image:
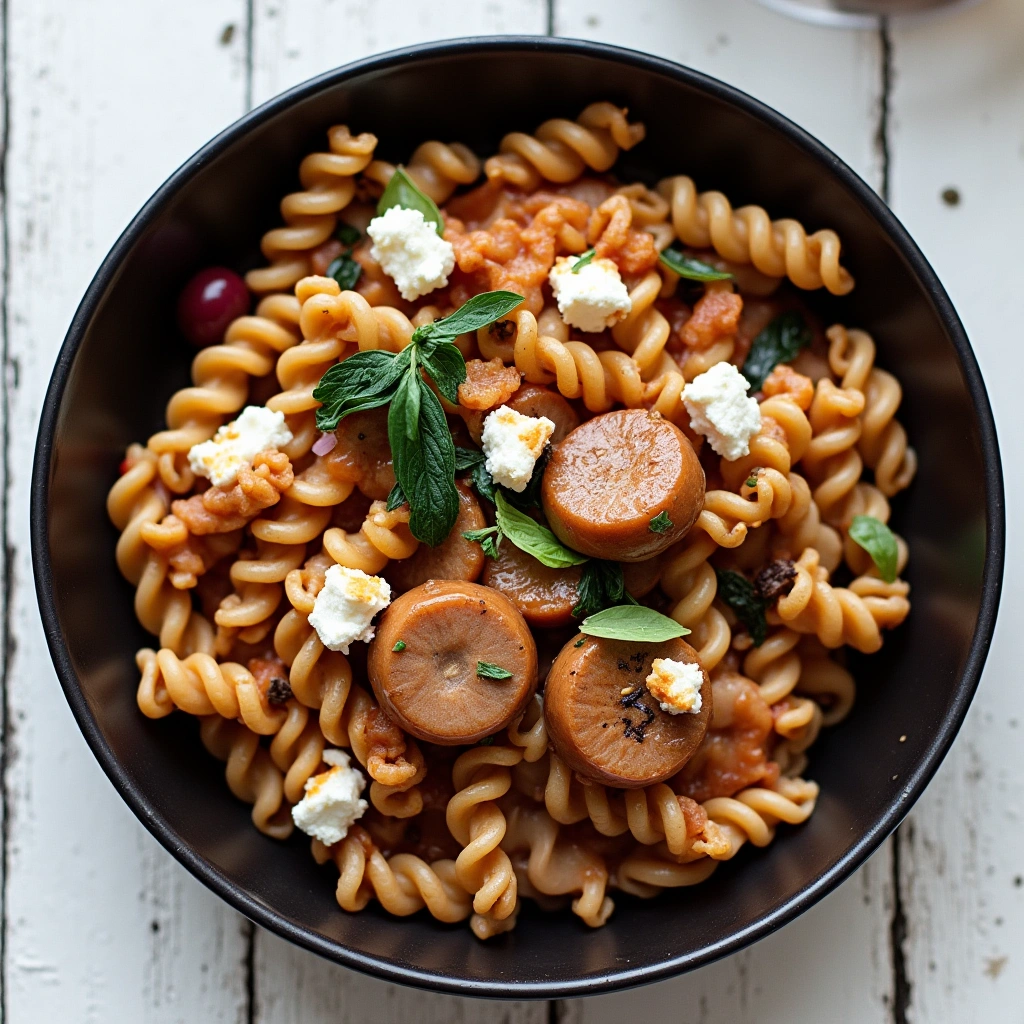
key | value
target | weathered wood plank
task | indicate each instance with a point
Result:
(837, 954)
(958, 124)
(105, 100)
(294, 40)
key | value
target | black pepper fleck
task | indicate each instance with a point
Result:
(951, 196)
(279, 691)
(502, 329)
(775, 579)
(362, 437)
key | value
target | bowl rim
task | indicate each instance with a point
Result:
(391, 971)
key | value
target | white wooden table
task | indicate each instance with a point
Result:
(102, 99)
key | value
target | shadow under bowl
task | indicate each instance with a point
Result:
(123, 358)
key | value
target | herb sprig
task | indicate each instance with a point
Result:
(739, 594)
(780, 342)
(421, 443)
(602, 585)
(487, 670)
(402, 191)
(879, 542)
(345, 270)
(585, 258)
(634, 622)
(690, 268)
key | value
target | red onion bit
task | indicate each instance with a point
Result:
(325, 443)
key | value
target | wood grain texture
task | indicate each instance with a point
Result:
(102, 926)
(958, 124)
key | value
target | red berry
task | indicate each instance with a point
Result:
(209, 302)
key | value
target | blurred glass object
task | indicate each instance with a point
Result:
(861, 13)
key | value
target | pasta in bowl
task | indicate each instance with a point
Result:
(520, 543)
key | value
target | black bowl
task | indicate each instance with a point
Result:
(122, 359)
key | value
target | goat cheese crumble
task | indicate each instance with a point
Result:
(676, 684)
(332, 803)
(410, 251)
(720, 409)
(592, 299)
(237, 443)
(344, 609)
(513, 443)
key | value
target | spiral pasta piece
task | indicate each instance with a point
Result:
(560, 150)
(437, 168)
(310, 216)
(403, 883)
(383, 536)
(482, 777)
(780, 248)
(251, 775)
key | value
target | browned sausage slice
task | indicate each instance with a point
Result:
(363, 454)
(612, 476)
(536, 400)
(603, 722)
(455, 558)
(430, 687)
(545, 597)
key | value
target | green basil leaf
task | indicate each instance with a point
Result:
(879, 542)
(467, 458)
(425, 468)
(739, 594)
(780, 342)
(346, 234)
(402, 191)
(345, 271)
(365, 380)
(489, 539)
(446, 367)
(584, 259)
(601, 586)
(396, 498)
(660, 523)
(690, 268)
(478, 312)
(533, 538)
(482, 482)
(405, 408)
(486, 670)
(633, 622)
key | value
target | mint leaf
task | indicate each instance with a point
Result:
(365, 380)
(531, 537)
(425, 468)
(601, 586)
(780, 342)
(633, 622)
(402, 191)
(690, 268)
(467, 458)
(483, 483)
(486, 670)
(346, 234)
(345, 271)
(396, 498)
(489, 539)
(478, 312)
(879, 542)
(446, 367)
(660, 523)
(584, 259)
(405, 410)
(739, 594)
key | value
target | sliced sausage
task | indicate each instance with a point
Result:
(363, 454)
(431, 686)
(455, 558)
(537, 400)
(615, 474)
(603, 722)
(545, 597)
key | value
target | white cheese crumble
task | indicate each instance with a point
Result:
(676, 684)
(592, 299)
(343, 611)
(513, 443)
(720, 409)
(411, 251)
(331, 804)
(237, 443)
